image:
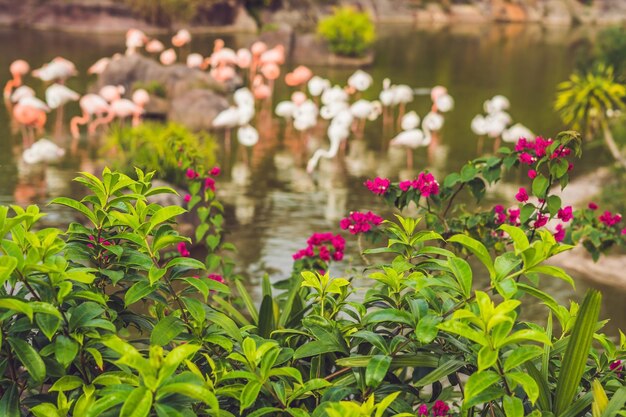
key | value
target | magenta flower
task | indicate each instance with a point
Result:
(378, 185)
(182, 249)
(216, 277)
(191, 174)
(514, 216)
(624, 231)
(330, 246)
(337, 256)
(324, 254)
(609, 219)
(209, 183)
(426, 184)
(187, 198)
(358, 222)
(541, 220)
(440, 408)
(617, 367)
(559, 234)
(532, 174)
(565, 214)
(526, 158)
(405, 185)
(422, 410)
(522, 195)
(500, 214)
(215, 171)
(592, 206)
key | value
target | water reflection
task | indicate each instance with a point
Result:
(272, 203)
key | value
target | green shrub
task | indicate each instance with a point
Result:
(153, 87)
(155, 147)
(348, 31)
(109, 320)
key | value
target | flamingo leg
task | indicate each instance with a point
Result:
(496, 144)
(479, 148)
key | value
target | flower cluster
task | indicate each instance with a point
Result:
(522, 195)
(378, 185)
(511, 215)
(439, 409)
(358, 222)
(532, 149)
(102, 241)
(323, 246)
(216, 277)
(609, 219)
(425, 183)
(209, 182)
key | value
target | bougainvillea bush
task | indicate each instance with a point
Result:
(115, 317)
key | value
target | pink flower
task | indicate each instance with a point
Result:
(422, 410)
(609, 219)
(514, 216)
(617, 367)
(593, 206)
(378, 185)
(337, 256)
(330, 246)
(526, 158)
(187, 198)
(440, 408)
(215, 171)
(426, 184)
(324, 254)
(216, 277)
(191, 174)
(559, 235)
(624, 231)
(358, 222)
(522, 195)
(565, 214)
(532, 174)
(542, 220)
(405, 185)
(182, 249)
(209, 183)
(499, 208)
(570, 167)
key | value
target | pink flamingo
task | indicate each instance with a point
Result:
(260, 90)
(30, 117)
(168, 57)
(180, 39)
(298, 77)
(59, 70)
(18, 69)
(257, 49)
(135, 39)
(155, 46)
(57, 96)
(141, 98)
(91, 105)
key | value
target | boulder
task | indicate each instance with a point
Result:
(196, 109)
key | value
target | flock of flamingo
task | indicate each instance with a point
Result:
(341, 109)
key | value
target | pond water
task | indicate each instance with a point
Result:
(271, 215)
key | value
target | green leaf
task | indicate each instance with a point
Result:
(513, 407)
(616, 403)
(47, 324)
(195, 392)
(388, 315)
(164, 214)
(520, 241)
(17, 305)
(65, 350)
(521, 355)
(478, 249)
(478, 382)
(10, 402)
(226, 323)
(44, 410)
(138, 403)
(29, 357)
(553, 271)
(155, 273)
(66, 383)
(376, 370)
(463, 274)
(78, 206)
(249, 394)
(528, 384)
(448, 368)
(83, 313)
(138, 291)
(540, 186)
(577, 351)
(107, 402)
(426, 330)
(266, 317)
(166, 330)
(7, 266)
(487, 357)
(195, 308)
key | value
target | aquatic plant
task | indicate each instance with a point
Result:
(347, 31)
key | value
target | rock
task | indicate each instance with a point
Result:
(467, 13)
(280, 33)
(196, 109)
(503, 11)
(244, 22)
(557, 13)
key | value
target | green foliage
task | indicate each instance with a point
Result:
(114, 318)
(165, 12)
(583, 100)
(611, 49)
(159, 147)
(155, 88)
(348, 31)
